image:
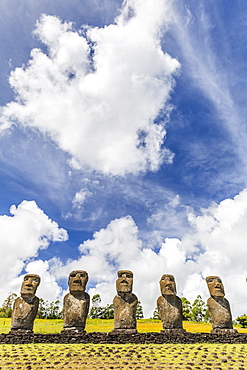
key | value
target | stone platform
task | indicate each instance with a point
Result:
(139, 338)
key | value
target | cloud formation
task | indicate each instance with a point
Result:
(22, 235)
(215, 245)
(97, 92)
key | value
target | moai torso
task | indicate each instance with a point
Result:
(170, 312)
(75, 311)
(24, 313)
(220, 313)
(125, 312)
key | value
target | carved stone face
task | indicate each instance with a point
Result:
(78, 281)
(168, 285)
(215, 286)
(124, 282)
(30, 284)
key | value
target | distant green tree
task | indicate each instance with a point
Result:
(242, 320)
(96, 300)
(199, 310)
(96, 310)
(107, 312)
(139, 311)
(54, 310)
(99, 312)
(49, 310)
(42, 310)
(7, 306)
(155, 314)
(186, 309)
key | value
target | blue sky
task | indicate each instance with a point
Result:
(123, 145)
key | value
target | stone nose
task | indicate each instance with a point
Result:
(29, 282)
(167, 281)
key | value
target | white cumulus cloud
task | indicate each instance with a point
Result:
(97, 92)
(22, 235)
(215, 245)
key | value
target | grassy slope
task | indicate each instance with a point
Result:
(125, 356)
(128, 356)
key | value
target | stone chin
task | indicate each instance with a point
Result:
(27, 293)
(217, 293)
(124, 289)
(74, 288)
(167, 292)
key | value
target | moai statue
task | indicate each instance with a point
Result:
(26, 306)
(76, 303)
(169, 305)
(219, 307)
(125, 303)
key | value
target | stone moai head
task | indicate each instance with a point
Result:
(215, 286)
(77, 281)
(30, 285)
(124, 281)
(168, 285)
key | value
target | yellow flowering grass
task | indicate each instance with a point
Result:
(125, 356)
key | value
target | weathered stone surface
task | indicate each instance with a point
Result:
(26, 307)
(76, 303)
(125, 303)
(219, 307)
(169, 305)
(100, 338)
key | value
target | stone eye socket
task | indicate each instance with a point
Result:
(34, 279)
(79, 274)
(168, 277)
(27, 278)
(214, 279)
(127, 275)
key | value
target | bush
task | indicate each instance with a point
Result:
(242, 320)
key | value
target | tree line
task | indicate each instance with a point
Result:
(196, 311)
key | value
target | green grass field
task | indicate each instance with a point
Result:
(143, 326)
(124, 356)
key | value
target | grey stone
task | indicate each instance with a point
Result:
(219, 307)
(169, 305)
(76, 303)
(125, 303)
(26, 306)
